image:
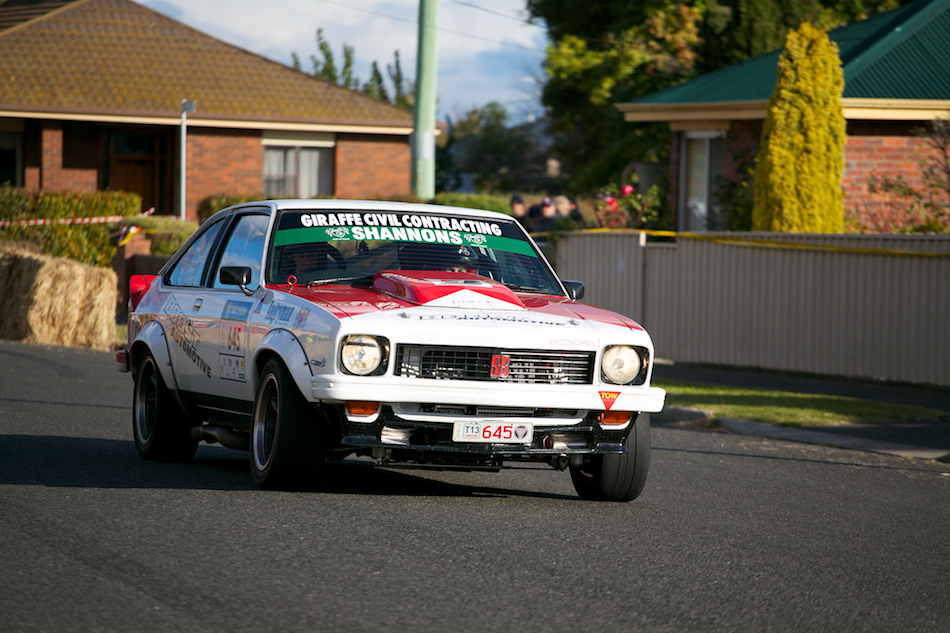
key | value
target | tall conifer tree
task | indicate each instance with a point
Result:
(800, 161)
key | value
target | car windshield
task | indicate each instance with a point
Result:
(316, 247)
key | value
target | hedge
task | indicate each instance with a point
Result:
(87, 243)
(215, 202)
(166, 232)
(472, 201)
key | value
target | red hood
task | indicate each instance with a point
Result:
(444, 289)
(392, 290)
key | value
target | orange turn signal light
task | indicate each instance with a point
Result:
(615, 417)
(359, 407)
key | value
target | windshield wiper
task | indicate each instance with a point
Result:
(528, 289)
(320, 282)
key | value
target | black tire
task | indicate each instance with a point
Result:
(617, 477)
(288, 436)
(162, 431)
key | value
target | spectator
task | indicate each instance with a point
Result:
(548, 216)
(519, 212)
(575, 213)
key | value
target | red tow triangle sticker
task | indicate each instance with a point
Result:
(609, 398)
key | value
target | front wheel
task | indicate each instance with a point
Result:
(161, 429)
(617, 477)
(288, 436)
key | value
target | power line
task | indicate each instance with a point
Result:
(444, 30)
(498, 13)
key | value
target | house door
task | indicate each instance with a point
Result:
(137, 162)
(136, 175)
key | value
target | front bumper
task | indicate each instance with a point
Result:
(338, 388)
(393, 438)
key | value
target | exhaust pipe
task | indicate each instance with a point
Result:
(221, 435)
(560, 462)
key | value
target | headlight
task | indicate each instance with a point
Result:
(361, 354)
(621, 364)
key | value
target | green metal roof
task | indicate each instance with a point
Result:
(901, 54)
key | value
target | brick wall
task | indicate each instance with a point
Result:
(222, 161)
(61, 157)
(372, 166)
(880, 149)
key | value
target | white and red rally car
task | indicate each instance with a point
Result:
(419, 335)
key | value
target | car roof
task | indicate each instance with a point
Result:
(370, 205)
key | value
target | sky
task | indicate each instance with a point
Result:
(486, 50)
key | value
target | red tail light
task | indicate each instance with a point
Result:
(138, 284)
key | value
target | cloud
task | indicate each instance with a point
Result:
(481, 55)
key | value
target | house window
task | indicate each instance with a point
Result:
(701, 169)
(298, 165)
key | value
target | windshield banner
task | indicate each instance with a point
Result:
(306, 227)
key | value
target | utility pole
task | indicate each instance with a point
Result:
(423, 136)
(186, 107)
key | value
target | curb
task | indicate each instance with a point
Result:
(831, 439)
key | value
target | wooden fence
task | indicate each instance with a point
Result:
(870, 307)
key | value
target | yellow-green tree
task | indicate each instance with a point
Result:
(801, 155)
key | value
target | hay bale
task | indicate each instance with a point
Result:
(56, 301)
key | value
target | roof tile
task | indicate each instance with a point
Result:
(114, 56)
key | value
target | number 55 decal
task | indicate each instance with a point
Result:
(499, 365)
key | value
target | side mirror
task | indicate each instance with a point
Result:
(238, 276)
(575, 289)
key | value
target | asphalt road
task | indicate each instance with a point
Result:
(733, 533)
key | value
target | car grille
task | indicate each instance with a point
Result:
(475, 364)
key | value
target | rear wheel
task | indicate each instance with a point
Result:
(162, 430)
(617, 477)
(288, 437)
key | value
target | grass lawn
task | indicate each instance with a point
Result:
(784, 408)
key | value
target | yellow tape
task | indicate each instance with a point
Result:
(738, 241)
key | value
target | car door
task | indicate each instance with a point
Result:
(185, 284)
(224, 313)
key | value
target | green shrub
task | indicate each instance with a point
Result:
(473, 201)
(87, 243)
(801, 156)
(215, 202)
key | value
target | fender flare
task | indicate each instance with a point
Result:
(283, 344)
(153, 338)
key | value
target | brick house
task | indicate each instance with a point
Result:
(897, 78)
(90, 99)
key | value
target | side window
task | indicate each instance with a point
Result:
(245, 247)
(188, 270)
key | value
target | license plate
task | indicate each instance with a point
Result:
(493, 432)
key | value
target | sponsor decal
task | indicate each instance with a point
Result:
(609, 398)
(469, 299)
(302, 315)
(318, 361)
(571, 342)
(306, 228)
(394, 220)
(231, 368)
(184, 334)
(237, 310)
(476, 240)
(279, 312)
(476, 316)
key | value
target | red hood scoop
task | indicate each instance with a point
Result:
(447, 290)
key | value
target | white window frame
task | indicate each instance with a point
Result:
(297, 142)
(683, 212)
